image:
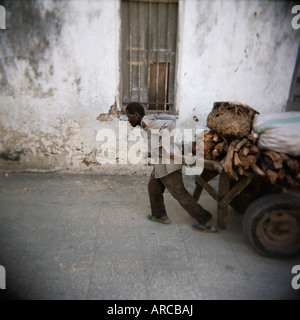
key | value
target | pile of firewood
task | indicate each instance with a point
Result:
(281, 168)
(237, 155)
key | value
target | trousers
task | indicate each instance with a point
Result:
(174, 184)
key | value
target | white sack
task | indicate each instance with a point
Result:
(279, 132)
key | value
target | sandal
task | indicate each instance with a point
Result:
(154, 219)
(201, 228)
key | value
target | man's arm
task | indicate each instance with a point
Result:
(181, 158)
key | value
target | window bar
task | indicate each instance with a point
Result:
(149, 52)
(139, 49)
(166, 107)
(157, 58)
(130, 51)
(166, 86)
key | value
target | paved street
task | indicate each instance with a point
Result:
(66, 236)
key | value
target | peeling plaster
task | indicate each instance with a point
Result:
(235, 51)
(57, 72)
(60, 73)
(110, 115)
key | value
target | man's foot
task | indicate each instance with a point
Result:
(201, 228)
(164, 219)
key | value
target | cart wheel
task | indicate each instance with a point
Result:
(272, 225)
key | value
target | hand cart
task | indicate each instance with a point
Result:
(271, 220)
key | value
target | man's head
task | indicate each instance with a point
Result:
(135, 112)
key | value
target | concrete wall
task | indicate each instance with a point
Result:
(60, 62)
(59, 70)
(235, 50)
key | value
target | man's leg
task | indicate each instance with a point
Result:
(155, 191)
(174, 183)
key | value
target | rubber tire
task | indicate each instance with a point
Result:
(259, 211)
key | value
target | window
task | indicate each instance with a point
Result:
(294, 98)
(149, 34)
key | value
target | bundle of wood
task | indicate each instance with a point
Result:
(237, 155)
(281, 168)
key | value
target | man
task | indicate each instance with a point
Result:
(166, 175)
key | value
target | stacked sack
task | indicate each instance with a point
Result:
(279, 138)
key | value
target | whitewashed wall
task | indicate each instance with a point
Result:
(60, 63)
(59, 70)
(234, 50)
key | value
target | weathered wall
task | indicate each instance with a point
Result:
(235, 50)
(59, 69)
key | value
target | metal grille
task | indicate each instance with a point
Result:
(149, 34)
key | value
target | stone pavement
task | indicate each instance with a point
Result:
(65, 236)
